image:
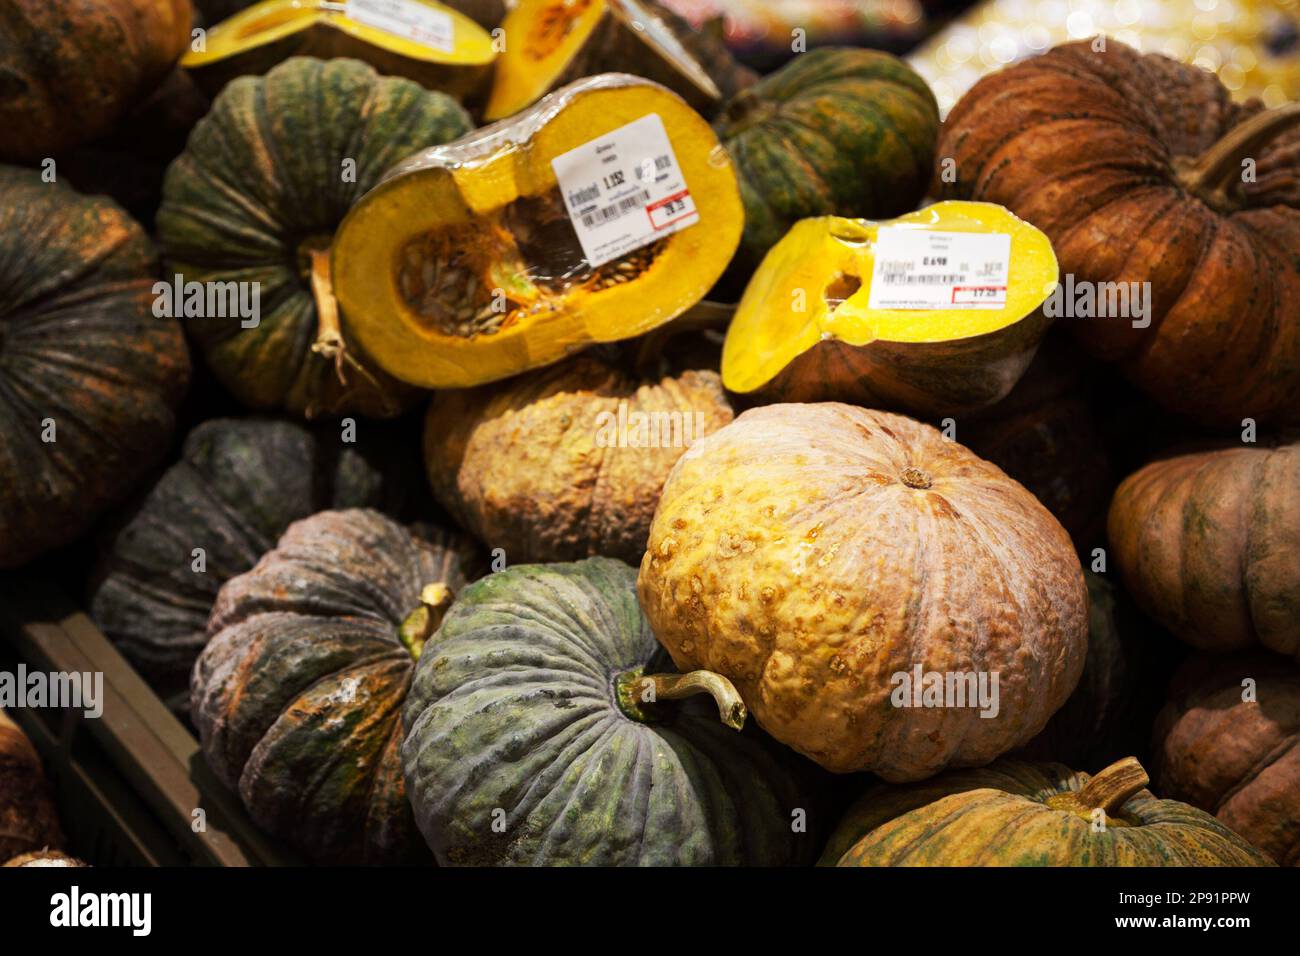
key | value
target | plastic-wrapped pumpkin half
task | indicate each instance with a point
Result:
(435, 45)
(605, 210)
(935, 312)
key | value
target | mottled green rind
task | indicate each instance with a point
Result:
(82, 352)
(512, 718)
(842, 132)
(297, 697)
(996, 816)
(264, 171)
(237, 487)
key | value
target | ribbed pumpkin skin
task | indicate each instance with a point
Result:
(1237, 760)
(995, 816)
(842, 132)
(28, 819)
(521, 464)
(1207, 544)
(79, 344)
(263, 174)
(513, 707)
(1224, 285)
(791, 555)
(298, 695)
(71, 68)
(1108, 714)
(238, 486)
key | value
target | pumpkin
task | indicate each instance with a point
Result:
(486, 13)
(1044, 435)
(1233, 754)
(89, 377)
(554, 42)
(298, 695)
(822, 319)
(421, 40)
(841, 132)
(463, 267)
(839, 564)
(568, 461)
(44, 858)
(1206, 544)
(70, 69)
(256, 198)
(1025, 814)
(237, 487)
(540, 732)
(28, 819)
(1111, 710)
(1166, 206)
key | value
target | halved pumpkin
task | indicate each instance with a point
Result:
(809, 329)
(552, 42)
(463, 265)
(421, 40)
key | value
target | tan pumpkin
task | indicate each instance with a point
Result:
(816, 555)
(1207, 543)
(566, 462)
(1133, 166)
(1236, 754)
(69, 69)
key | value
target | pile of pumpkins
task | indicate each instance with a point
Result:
(433, 585)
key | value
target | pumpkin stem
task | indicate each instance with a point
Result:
(1207, 176)
(420, 624)
(636, 688)
(1111, 788)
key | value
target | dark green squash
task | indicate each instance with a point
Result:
(83, 361)
(842, 132)
(256, 196)
(528, 744)
(237, 487)
(1022, 814)
(298, 695)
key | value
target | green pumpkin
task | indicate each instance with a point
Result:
(841, 132)
(298, 695)
(237, 487)
(530, 700)
(1012, 813)
(89, 377)
(265, 180)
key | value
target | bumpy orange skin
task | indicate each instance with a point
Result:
(523, 466)
(791, 554)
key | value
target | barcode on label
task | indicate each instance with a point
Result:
(625, 205)
(660, 164)
(580, 197)
(894, 278)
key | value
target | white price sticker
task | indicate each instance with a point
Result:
(406, 18)
(924, 269)
(624, 190)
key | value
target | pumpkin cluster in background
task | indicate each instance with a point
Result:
(524, 455)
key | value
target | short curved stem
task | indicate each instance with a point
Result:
(731, 709)
(420, 624)
(1112, 787)
(1205, 177)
